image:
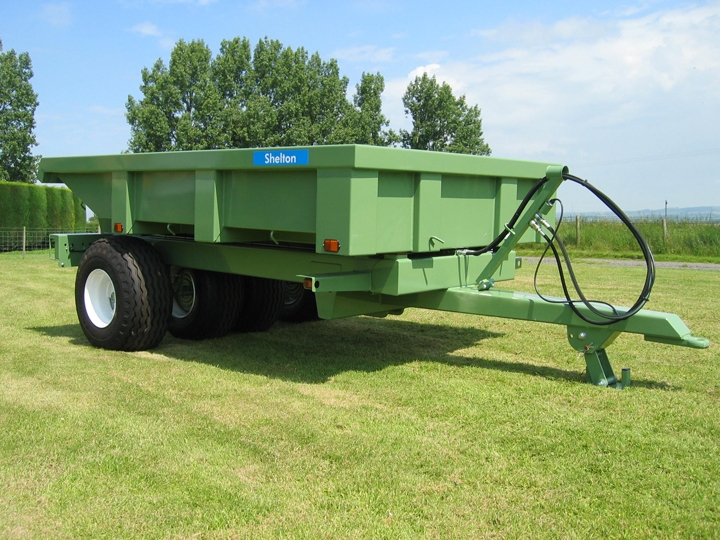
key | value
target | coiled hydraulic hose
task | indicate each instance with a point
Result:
(604, 317)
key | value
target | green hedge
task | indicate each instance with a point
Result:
(37, 206)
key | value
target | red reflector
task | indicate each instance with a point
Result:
(333, 246)
(118, 227)
(307, 283)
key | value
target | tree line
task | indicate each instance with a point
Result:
(18, 102)
(246, 97)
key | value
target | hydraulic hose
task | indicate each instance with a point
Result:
(604, 318)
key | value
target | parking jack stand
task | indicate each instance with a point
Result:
(599, 370)
(591, 343)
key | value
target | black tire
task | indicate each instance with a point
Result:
(264, 298)
(206, 305)
(122, 294)
(299, 304)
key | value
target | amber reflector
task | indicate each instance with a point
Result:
(333, 246)
(307, 283)
(118, 227)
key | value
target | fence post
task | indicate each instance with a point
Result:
(24, 238)
(577, 231)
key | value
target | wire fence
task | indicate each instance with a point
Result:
(26, 239)
(640, 217)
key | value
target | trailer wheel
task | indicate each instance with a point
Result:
(205, 305)
(264, 298)
(122, 294)
(299, 304)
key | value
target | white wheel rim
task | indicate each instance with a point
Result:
(100, 301)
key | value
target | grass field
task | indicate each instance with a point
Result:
(697, 241)
(428, 425)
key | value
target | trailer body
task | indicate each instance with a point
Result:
(366, 230)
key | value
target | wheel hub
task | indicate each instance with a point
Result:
(183, 293)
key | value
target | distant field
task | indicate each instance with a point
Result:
(695, 240)
(428, 425)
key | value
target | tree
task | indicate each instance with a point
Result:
(178, 111)
(441, 122)
(18, 102)
(365, 123)
(270, 96)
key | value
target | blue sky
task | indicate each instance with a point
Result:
(627, 94)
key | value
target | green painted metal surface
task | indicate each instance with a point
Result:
(393, 275)
(589, 340)
(654, 325)
(372, 200)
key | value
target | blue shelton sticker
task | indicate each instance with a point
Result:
(263, 158)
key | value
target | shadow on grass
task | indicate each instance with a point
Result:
(71, 331)
(315, 352)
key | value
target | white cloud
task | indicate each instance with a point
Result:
(366, 53)
(147, 29)
(625, 72)
(57, 14)
(430, 69)
(595, 90)
(623, 68)
(151, 30)
(456, 81)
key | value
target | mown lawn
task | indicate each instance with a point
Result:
(428, 425)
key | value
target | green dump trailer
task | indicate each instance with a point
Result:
(201, 243)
